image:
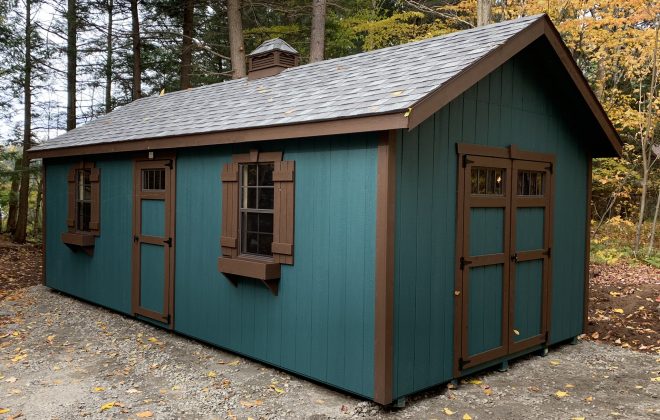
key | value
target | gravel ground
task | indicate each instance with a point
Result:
(63, 358)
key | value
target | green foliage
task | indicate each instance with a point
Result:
(612, 243)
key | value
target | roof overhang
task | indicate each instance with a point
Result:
(380, 122)
(402, 119)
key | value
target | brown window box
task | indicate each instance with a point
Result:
(267, 272)
(80, 241)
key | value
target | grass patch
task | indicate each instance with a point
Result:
(614, 241)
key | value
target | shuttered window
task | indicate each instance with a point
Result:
(257, 215)
(83, 206)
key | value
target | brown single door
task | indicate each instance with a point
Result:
(530, 251)
(485, 259)
(153, 239)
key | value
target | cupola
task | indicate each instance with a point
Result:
(270, 58)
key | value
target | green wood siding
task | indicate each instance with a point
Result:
(105, 277)
(321, 325)
(528, 102)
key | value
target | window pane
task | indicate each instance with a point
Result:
(251, 174)
(266, 198)
(530, 183)
(265, 244)
(251, 202)
(251, 243)
(266, 223)
(266, 174)
(153, 179)
(252, 222)
(84, 212)
(487, 181)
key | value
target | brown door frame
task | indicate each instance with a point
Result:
(465, 153)
(169, 162)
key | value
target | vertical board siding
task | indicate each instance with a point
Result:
(485, 308)
(528, 299)
(529, 102)
(105, 277)
(321, 324)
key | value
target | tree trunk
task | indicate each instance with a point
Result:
(137, 52)
(236, 46)
(317, 38)
(655, 220)
(186, 47)
(646, 139)
(108, 60)
(36, 225)
(483, 12)
(21, 221)
(71, 57)
(13, 198)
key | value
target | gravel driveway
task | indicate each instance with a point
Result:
(63, 358)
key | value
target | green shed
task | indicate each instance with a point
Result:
(381, 223)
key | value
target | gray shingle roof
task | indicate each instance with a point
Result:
(376, 82)
(273, 44)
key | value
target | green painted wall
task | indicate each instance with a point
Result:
(105, 277)
(528, 102)
(321, 325)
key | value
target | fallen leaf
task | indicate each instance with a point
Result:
(408, 112)
(234, 363)
(154, 340)
(474, 382)
(11, 380)
(577, 418)
(516, 332)
(145, 414)
(211, 374)
(569, 386)
(589, 399)
(50, 339)
(617, 310)
(488, 391)
(448, 411)
(133, 391)
(19, 357)
(4, 410)
(176, 388)
(555, 362)
(250, 404)
(276, 389)
(397, 93)
(615, 294)
(561, 394)
(108, 406)
(98, 389)
(595, 335)
(451, 386)
(656, 379)
(466, 416)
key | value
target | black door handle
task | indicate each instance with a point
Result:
(514, 257)
(136, 238)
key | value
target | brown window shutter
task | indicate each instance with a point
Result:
(229, 236)
(95, 216)
(71, 199)
(283, 177)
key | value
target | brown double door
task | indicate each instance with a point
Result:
(505, 251)
(153, 239)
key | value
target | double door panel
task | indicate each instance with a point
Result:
(505, 262)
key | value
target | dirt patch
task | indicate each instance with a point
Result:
(20, 266)
(624, 306)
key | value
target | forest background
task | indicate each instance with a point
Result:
(64, 63)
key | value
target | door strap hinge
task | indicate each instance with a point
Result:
(168, 241)
(170, 164)
(464, 262)
(462, 363)
(136, 238)
(548, 252)
(466, 161)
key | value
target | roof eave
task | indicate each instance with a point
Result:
(457, 85)
(369, 123)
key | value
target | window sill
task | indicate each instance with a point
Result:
(266, 271)
(79, 241)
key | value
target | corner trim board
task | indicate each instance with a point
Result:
(385, 229)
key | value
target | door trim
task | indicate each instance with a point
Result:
(512, 152)
(170, 213)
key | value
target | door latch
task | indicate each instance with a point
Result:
(135, 238)
(464, 262)
(514, 257)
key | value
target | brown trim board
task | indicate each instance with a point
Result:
(451, 89)
(43, 222)
(587, 249)
(385, 225)
(313, 129)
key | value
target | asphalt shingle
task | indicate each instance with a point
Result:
(376, 82)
